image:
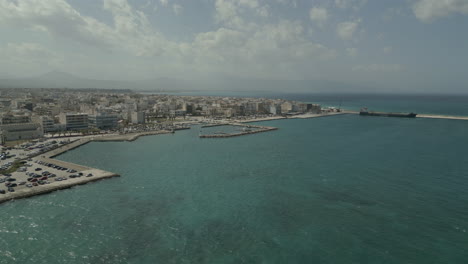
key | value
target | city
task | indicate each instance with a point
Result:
(33, 113)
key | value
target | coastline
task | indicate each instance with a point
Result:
(48, 157)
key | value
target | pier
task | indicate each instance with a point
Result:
(449, 117)
(259, 129)
(48, 158)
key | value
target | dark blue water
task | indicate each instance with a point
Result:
(342, 189)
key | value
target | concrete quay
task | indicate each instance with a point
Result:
(449, 117)
(57, 185)
(38, 165)
(260, 130)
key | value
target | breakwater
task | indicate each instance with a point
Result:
(247, 131)
(450, 117)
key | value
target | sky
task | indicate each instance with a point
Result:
(405, 45)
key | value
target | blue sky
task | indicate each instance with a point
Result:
(400, 45)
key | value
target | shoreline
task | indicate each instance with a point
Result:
(98, 174)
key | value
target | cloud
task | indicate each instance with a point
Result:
(319, 15)
(239, 46)
(28, 56)
(353, 4)
(346, 30)
(272, 48)
(387, 49)
(164, 2)
(429, 10)
(57, 18)
(131, 30)
(177, 9)
(232, 12)
(293, 3)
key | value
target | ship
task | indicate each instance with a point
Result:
(365, 112)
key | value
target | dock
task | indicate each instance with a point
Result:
(449, 117)
(48, 157)
(259, 129)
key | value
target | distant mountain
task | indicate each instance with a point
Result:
(57, 79)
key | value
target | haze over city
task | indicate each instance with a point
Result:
(334, 46)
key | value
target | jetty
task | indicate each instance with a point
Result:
(246, 131)
(448, 117)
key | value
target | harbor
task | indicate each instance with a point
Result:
(42, 173)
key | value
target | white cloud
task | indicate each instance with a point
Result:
(177, 9)
(28, 56)
(319, 15)
(353, 4)
(251, 49)
(164, 2)
(263, 11)
(230, 12)
(428, 10)
(272, 48)
(293, 3)
(346, 30)
(384, 68)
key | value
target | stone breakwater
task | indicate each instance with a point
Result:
(449, 117)
(259, 129)
(88, 174)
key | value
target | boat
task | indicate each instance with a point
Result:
(365, 112)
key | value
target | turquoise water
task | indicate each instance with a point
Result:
(342, 189)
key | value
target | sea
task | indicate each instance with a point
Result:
(337, 189)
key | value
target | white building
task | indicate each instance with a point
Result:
(75, 122)
(103, 121)
(273, 110)
(14, 119)
(286, 107)
(11, 132)
(47, 123)
(138, 117)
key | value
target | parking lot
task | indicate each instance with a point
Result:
(27, 169)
